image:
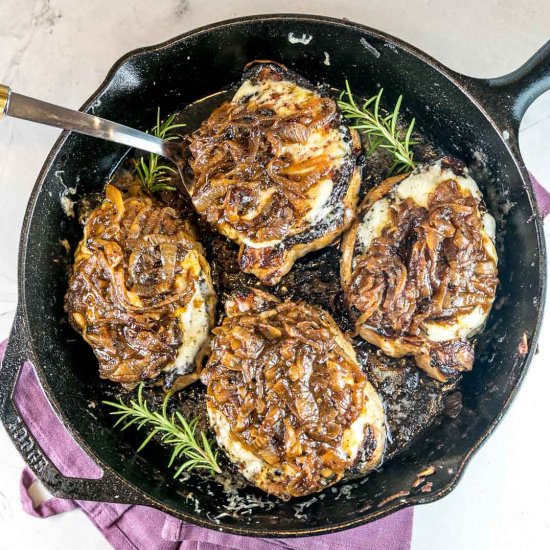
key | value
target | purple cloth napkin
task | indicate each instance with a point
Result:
(129, 527)
(543, 197)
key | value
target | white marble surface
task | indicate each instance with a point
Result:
(60, 50)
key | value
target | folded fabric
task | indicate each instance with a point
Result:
(543, 197)
(140, 527)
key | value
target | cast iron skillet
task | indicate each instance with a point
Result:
(476, 120)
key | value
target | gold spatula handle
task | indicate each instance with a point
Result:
(5, 93)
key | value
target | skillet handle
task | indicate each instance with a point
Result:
(508, 97)
(109, 488)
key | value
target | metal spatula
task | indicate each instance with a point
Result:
(27, 108)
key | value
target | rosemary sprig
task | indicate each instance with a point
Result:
(175, 431)
(379, 129)
(153, 172)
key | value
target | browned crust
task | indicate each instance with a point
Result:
(381, 190)
(399, 347)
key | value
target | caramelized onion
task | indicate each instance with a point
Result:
(291, 392)
(127, 283)
(428, 265)
(242, 177)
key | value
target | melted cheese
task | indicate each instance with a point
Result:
(259, 472)
(286, 98)
(376, 219)
(283, 96)
(418, 187)
(260, 244)
(372, 414)
(251, 466)
(319, 197)
(489, 236)
(328, 142)
(421, 183)
(490, 225)
(194, 319)
(465, 326)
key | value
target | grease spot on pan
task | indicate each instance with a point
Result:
(369, 47)
(305, 39)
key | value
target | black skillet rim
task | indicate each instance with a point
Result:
(453, 77)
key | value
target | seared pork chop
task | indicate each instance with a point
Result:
(419, 267)
(274, 169)
(287, 399)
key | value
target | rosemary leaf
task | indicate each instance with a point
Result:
(153, 172)
(174, 429)
(379, 129)
(147, 439)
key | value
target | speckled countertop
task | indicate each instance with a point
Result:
(60, 50)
